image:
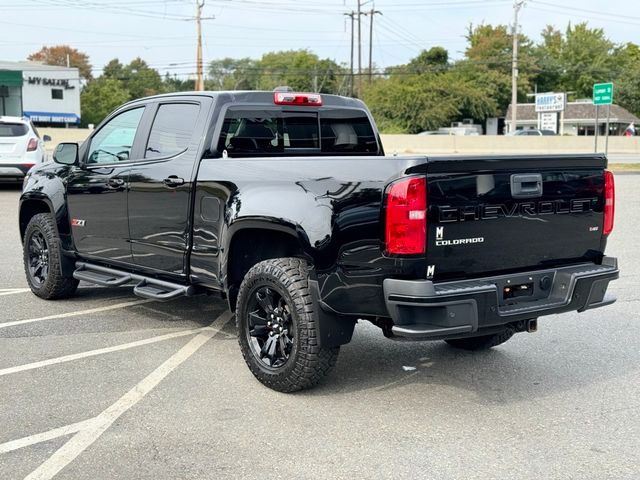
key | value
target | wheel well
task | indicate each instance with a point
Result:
(251, 246)
(28, 210)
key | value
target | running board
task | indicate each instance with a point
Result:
(147, 287)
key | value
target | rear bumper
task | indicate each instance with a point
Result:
(423, 310)
(13, 172)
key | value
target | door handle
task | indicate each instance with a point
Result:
(115, 182)
(173, 181)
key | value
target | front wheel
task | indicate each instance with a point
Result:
(42, 255)
(276, 323)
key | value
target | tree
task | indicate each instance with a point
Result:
(141, 80)
(114, 69)
(299, 69)
(573, 62)
(100, 97)
(57, 55)
(233, 74)
(428, 94)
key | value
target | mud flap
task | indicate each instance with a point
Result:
(332, 330)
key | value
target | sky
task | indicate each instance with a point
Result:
(162, 32)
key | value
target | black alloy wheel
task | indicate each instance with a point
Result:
(38, 258)
(43, 258)
(270, 331)
(276, 320)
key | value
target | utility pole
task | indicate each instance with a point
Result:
(517, 5)
(359, 49)
(199, 73)
(371, 14)
(352, 15)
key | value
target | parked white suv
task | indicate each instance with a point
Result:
(20, 148)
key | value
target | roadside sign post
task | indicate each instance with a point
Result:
(547, 107)
(595, 150)
(603, 95)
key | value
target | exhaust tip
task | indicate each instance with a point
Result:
(532, 325)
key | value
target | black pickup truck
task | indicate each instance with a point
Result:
(286, 204)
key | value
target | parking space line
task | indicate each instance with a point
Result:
(99, 351)
(87, 436)
(13, 291)
(75, 314)
(45, 436)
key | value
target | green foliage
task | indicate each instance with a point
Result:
(573, 62)
(141, 80)
(233, 74)
(428, 92)
(299, 69)
(430, 95)
(100, 97)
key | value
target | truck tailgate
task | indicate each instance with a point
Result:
(497, 214)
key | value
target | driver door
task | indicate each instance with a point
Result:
(97, 189)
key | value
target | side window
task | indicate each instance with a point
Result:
(114, 141)
(172, 129)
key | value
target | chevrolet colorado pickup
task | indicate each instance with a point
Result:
(285, 204)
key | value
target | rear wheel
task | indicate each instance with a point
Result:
(42, 254)
(483, 342)
(276, 324)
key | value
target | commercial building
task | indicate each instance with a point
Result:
(579, 119)
(48, 95)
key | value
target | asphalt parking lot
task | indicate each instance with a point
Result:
(108, 385)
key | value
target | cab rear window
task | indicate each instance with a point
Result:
(13, 129)
(255, 132)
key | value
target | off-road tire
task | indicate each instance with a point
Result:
(484, 342)
(56, 285)
(308, 363)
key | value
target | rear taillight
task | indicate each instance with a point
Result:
(609, 202)
(287, 98)
(406, 217)
(33, 145)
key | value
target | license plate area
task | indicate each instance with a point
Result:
(524, 288)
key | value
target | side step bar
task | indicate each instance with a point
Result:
(147, 287)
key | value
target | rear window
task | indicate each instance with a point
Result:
(13, 129)
(250, 132)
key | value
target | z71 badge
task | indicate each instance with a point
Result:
(76, 222)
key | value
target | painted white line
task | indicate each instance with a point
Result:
(75, 314)
(45, 436)
(99, 351)
(13, 291)
(85, 437)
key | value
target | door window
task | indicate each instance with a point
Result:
(172, 129)
(114, 142)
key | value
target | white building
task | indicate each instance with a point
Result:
(48, 95)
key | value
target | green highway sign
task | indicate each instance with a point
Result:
(603, 94)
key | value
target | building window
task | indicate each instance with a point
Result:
(56, 93)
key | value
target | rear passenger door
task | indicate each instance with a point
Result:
(160, 185)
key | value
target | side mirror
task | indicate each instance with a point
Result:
(46, 138)
(66, 154)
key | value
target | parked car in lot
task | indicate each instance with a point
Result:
(20, 148)
(285, 204)
(534, 132)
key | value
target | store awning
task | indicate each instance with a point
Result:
(10, 78)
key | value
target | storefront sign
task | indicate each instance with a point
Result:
(51, 82)
(53, 117)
